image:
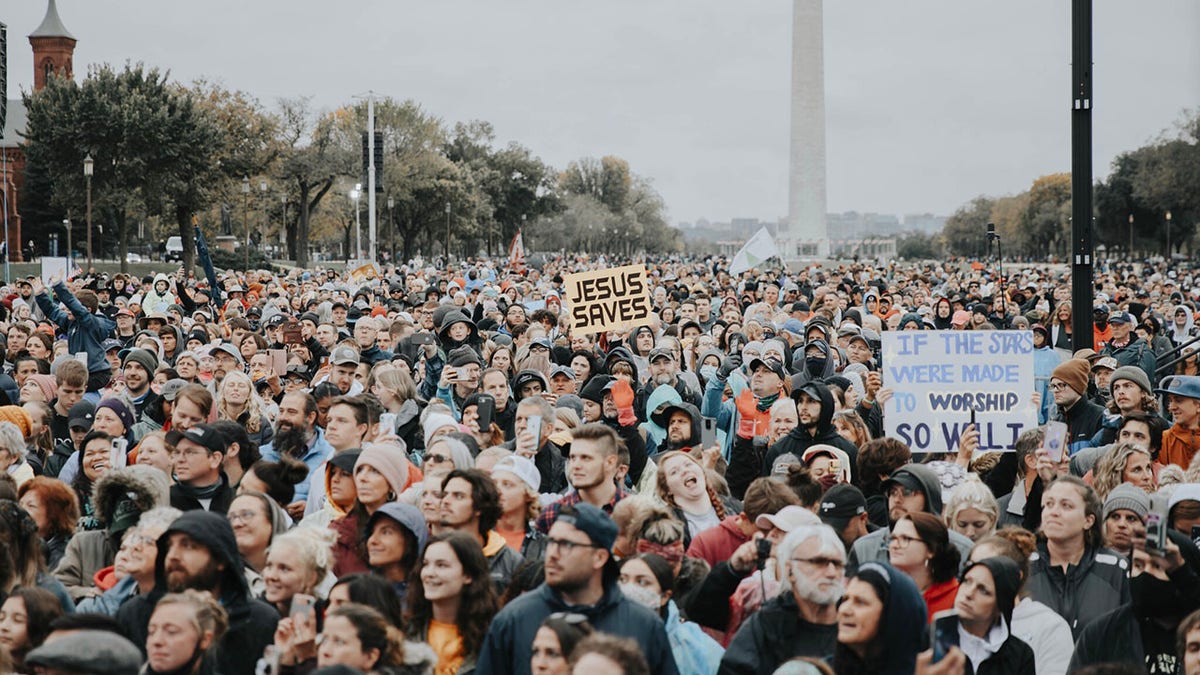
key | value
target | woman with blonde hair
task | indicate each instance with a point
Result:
(1124, 463)
(298, 562)
(182, 632)
(238, 402)
(972, 510)
(397, 391)
(851, 427)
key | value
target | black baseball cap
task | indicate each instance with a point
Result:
(772, 364)
(200, 434)
(840, 504)
(593, 522)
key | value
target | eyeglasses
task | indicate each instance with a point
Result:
(190, 454)
(236, 517)
(566, 545)
(903, 540)
(822, 563)
(1057, 386)
(900, 491)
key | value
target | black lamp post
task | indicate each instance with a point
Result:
(89, 166)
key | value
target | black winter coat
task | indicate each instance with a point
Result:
(774, 635)
(1013, 658)
(1096, 586)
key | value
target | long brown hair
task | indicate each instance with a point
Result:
(477, 604)
(665, 494)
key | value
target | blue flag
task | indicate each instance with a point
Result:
(206, 263)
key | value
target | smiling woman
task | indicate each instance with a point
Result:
(453, 600)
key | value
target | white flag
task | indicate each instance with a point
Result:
(756, 251)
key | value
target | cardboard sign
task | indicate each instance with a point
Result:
(59, 268)
(609, 299)
(939, 377)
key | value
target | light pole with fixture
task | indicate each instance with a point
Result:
(391, 230)
(1168, 236)
(283, 227)
(89, 166)
(447, 232)
(1131, 236)
(246, 216)
(67, 227)
(262, 233)
(356, 194)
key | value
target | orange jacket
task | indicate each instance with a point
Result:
(1179, 445)
(751, 422)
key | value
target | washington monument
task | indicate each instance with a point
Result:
(806, 234)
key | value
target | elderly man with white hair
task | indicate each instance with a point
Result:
(802, 620)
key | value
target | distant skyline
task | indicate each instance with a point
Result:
(928, 103)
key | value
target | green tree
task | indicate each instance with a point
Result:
(965, 231)
(311, 160)
(919, 246)
(1047, 220)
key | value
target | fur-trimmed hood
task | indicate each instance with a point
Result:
(149, 486)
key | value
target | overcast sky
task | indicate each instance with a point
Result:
(929, 103)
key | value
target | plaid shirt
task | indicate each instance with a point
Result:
(550, 513)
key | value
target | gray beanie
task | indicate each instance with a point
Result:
(1133, 374)
(1129, 497)
(144, 358)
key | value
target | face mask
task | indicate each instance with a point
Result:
(642, 595)
(1153, 597)
(815, 365)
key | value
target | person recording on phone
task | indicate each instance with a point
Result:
(459, 379)
(1165, 588)
(1069, 386)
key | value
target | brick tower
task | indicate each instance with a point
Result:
(53, 49)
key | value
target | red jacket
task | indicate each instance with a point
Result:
(718, 543)
(940, 597)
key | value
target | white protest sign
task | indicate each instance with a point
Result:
(54, 267)
(939, 377)
(609, 299)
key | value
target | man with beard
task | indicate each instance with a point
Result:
(814, 407)
(802, 620)
(471, 505)
(664, 371)
(226, 359)
(682, 422)
(138, 368)
(199, 552)
(600, 404)
(581, 578)
(298, 436)
(1165, 589)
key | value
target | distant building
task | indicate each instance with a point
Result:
(53, 56)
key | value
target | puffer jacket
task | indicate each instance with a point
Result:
(1097, 585)
(251, 622)
(86, 332)
(89, 552)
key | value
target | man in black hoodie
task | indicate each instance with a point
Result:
(814, 405)
(199, 552)
(682, 422)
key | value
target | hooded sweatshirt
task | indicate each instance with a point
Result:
(251, 622)
(901, 629)
(798, 440)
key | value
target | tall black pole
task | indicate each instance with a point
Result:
(1081, 174)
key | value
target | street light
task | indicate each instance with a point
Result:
(67, 225)
(391, 229)
(447, 232)
(356, 194)
(89, 166)
(283, 227)
(1131, 236)
(1168, 236)
(246, 216)
(262, 234)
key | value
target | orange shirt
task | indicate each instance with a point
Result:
(1179, 445)
(514, 539)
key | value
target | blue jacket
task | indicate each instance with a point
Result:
(724, 411)
(508, 646)
(85, 332)
(110, 601)
(695, 652)
(1045, 360)
(317, 453)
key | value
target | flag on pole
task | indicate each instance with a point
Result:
(755, 252)
(516, 253)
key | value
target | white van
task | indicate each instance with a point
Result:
(174, 250)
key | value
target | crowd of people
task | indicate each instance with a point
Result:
(427, 469)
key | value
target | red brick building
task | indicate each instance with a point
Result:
(53, 55)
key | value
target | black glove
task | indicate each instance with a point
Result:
(730, 364)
